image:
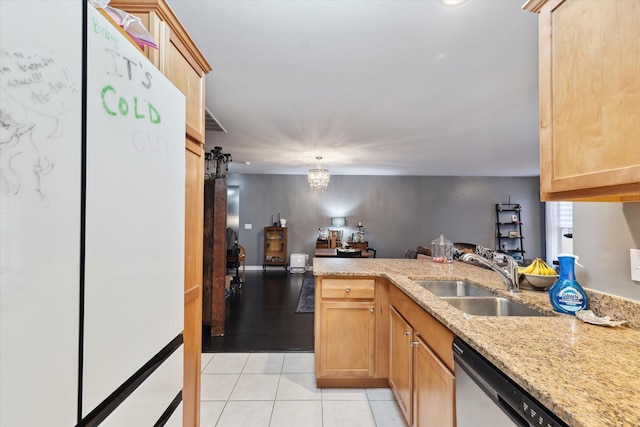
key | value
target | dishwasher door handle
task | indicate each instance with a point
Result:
(512, 413)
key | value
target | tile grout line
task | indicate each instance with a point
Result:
(373, 416)
(280, 374)
(275, 396)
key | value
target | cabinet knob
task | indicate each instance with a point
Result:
(371, 309)
(347, 289)
(414, 343)
(406, 333)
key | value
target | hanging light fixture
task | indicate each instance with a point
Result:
(318, 178)
(216, 163)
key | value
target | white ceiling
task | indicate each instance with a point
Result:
(375, 87)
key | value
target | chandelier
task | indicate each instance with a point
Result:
(216, 163)
(318, 178)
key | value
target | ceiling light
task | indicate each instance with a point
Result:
(453, 2)
(318, 178)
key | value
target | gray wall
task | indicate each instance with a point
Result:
(603, 233)
(398, 212)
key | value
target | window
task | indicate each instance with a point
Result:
(559, 230)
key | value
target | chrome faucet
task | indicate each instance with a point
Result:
(509, 275)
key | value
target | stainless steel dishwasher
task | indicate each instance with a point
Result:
(485, 397)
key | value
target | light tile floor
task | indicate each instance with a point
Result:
(279, 390)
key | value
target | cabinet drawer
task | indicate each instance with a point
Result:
(348, 288)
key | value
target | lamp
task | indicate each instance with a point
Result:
(338, 221)
(335, 236)
(318, 178)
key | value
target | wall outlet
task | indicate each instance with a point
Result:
(248, 226)
(635, 264)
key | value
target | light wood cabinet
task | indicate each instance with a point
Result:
(434, 389)
(179, 59)
(353, 324)
(401, 363)
(420, 364)
(350, 329)
(589, 99)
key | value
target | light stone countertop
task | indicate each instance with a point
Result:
(588, 375)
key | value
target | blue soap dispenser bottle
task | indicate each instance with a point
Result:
(566, 294)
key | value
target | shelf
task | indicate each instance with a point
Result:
(508, 207)
(508, 221)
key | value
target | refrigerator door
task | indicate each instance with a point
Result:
(135, 192)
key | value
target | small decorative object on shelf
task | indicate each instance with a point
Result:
(509, 239)
(359, 236)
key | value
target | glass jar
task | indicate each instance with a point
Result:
(442, 250)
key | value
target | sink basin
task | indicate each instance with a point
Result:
(453, 288)
(491, 306)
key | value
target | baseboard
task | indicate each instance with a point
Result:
(259, 267)
(352, 382)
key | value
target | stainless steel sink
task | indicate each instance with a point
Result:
(453, 288)
(491, 306)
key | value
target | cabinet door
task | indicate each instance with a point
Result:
(589, 99)
(177, 57)
(347, 341)
(193, 246)
(434, 387)
(401, 362)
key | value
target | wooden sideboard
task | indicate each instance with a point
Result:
(359, 245)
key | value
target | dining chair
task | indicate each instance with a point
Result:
(351, 253)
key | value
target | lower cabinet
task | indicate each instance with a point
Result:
(434, 389)
(353, 324)
(369, 334)
(350, 330)
(420, 364)
(400, 362)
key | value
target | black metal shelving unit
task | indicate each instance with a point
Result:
(509, 238)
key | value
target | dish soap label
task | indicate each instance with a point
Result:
(566, 294)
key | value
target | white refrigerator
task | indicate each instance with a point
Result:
(92, 179)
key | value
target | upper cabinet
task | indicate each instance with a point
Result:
(177, 57)
(589, 99)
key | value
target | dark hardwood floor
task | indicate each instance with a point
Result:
(262, 317)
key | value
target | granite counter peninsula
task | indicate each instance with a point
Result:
(587, 375)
